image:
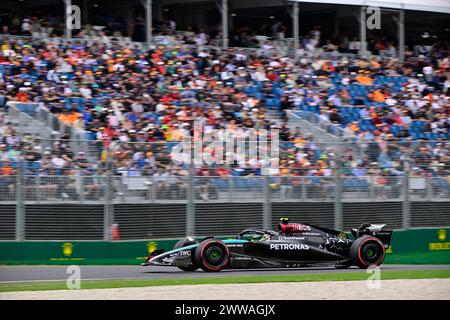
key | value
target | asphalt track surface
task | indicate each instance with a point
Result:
(46, 273)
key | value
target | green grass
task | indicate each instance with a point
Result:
(102, 284)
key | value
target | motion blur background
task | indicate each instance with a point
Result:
(89, 117)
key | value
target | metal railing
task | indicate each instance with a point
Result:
(175, 189)
(36, 195)
(39, 121)
(279, 46)
(324, 125)
(136, 185)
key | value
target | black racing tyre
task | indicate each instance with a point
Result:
(186, 242)
(367, 251)
(212, 255)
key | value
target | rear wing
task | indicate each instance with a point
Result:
(376, 230)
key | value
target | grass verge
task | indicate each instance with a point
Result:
(103, 284)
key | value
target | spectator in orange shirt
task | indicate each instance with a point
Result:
(69, 117)
(354, 126)
(6, 169)
(378, 96)
(364, 79)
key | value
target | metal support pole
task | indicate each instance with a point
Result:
(371, 188)
(230, 188)
(295, 28)
(338, 194)
(267, 207)
(406, 207)
(304, 191)
(153, 190)
(148, 22)
(362, 32)
(401, 35)
(39, 193)
(225, 24)
(108, 214)
(107, 235)
(20, 205)
(190, 207)
(67, 8)
(429, 187)
(82, 189)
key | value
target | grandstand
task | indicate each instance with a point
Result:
(93, 119)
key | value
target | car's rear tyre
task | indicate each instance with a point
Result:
(212, 255)
(367, 251)
(186, 242)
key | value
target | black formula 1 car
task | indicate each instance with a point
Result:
(294, 245)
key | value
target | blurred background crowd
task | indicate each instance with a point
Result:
(132, 101)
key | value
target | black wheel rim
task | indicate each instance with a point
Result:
(371, 252)
(214, 254)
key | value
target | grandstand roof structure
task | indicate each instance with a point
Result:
(436, 6)
(154, 7)
(440, 6)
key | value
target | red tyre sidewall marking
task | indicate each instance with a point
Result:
(361, 245)
(215, 268)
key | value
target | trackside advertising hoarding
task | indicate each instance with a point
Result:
(415, 246)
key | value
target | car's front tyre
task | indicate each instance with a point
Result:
(212, 255)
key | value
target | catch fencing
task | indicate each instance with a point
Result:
(85, 208)
(136, 187)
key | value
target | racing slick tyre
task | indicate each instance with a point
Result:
(186, 242)
(212, 255)
(367, 251)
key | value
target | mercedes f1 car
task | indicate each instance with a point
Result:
(294, 245)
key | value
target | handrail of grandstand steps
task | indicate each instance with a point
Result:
(324, 126)
(50, 126)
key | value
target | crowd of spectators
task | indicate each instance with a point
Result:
(50, 172)
(133, 102)
(113, 29)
